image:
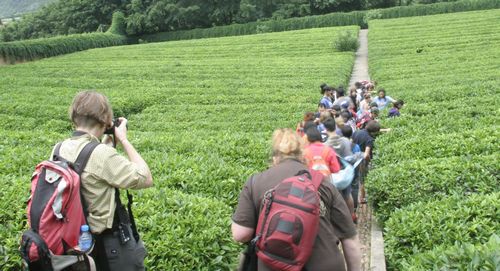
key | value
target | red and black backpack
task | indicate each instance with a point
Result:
(56, 213)
(288, 222)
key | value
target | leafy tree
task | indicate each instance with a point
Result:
(62, 18)
(328, 6)
(150, 16)
(292, 8)
(247, 12)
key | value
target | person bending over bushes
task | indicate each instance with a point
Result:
(382, 100)
(394, 112)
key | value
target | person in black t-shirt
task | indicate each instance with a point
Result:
(365, 138)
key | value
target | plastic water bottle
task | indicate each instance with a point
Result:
(85, 240)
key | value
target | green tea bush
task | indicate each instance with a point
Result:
(14, 195)
(435, 177)
(346, 41)
(118, 26)
(470, 142)
(41, 48)
(333, 19)
(396, 186)
(460, 256)
(435, 8)
(262, 29)
(419, 227)
(203, 225)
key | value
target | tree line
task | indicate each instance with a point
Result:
(64, 17)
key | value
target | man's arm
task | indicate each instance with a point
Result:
(133, 155)
(352, 253)
(366, 155)
(240, 233)
(333, 162)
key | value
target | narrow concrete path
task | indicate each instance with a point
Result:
(360, 69)
(370, 234)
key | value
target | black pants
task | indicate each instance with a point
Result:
(111, 255)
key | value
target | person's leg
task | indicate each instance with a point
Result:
(362, 193)
(347, 195)
(363, 173)
(355, 189)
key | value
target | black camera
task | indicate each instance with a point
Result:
(111, 130)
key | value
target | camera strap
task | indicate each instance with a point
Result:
(126, 217)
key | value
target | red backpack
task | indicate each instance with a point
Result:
(55, 213)
(288, 222)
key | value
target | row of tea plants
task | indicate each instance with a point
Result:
(436, 181)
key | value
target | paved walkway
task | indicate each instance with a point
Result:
(360, 69)
(370, 235)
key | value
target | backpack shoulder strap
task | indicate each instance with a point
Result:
(55, 155)
(83, 157)
(316, 178)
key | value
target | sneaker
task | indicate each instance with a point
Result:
(354, 218)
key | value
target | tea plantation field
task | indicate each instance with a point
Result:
(201, 113)
(436, 182)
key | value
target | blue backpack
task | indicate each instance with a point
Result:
(343, 178)
(356, 148)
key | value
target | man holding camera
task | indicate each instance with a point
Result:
(117, 246)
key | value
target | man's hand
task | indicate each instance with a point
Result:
(121, 130)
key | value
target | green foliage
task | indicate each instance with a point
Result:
(196, 19)
(262, 29)
(436, 8)
(118, 24)
(334, 19)
(14, 194)
(460, 256)
(346, 41)
(436, 173)
(396, 186)
(41, 48)
(419, 227)
(62, 17)
(201, 223)
(137, 24)
(201, 113)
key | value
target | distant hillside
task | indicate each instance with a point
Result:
(14, 8)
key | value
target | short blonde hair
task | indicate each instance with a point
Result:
(286, 143)
(90, 108)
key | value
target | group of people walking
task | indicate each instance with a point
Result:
(344, 127)
(342, 131)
